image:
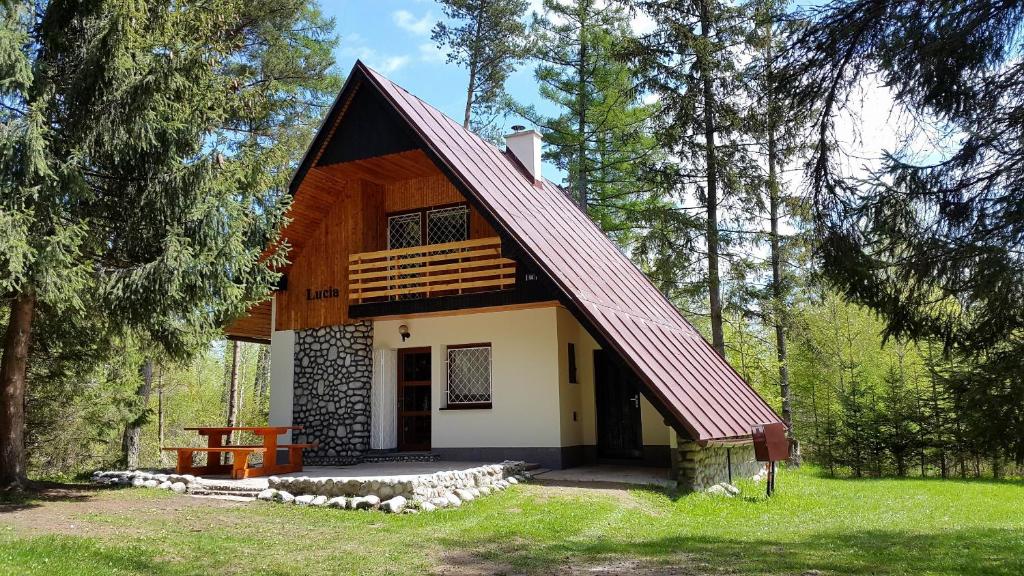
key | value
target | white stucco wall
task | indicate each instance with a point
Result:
(282, 375)
(525, 375)
(580, 397)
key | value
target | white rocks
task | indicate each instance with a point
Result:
(165, 485)
(304, 500)
(150, 484)
(179, 487)
(283, 496)
(338, 502)
(723, 489)
(137, 482)
(394, 505)
(440, 502)
(512, 480)
(319, 501)
(427, 507)
(464, 495)
(453, 500)
(365, 502)
(267, 494)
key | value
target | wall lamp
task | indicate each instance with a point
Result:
(403, 331)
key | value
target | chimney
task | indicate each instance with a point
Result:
(525, 146)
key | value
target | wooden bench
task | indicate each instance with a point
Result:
(239, 465)
(239, 468)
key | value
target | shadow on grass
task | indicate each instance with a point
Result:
(40, 493)
(819, 473)
(958, 552)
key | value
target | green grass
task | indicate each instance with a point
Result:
(831, 526)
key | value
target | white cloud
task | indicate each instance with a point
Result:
(429, 52)
(407, 21)
(383, 63)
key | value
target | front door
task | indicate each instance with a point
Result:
(414, 399)
(619, 432)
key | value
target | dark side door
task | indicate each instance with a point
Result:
(619, 430)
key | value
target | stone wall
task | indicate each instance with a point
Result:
(333, 375)
(416, 487)
(700, 468)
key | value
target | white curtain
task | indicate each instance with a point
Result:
(383, 402)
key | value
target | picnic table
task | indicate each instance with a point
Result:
(216, 448)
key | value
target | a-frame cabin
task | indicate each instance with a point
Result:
(444, 297)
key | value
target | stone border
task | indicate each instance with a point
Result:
(180, 483)
(409, 493)
(405, 493)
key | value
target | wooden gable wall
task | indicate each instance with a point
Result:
(356, 222)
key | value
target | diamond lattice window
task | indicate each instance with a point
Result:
(404, 231)
(469, 375)
(447, 225)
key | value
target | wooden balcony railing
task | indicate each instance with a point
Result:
(432, 270)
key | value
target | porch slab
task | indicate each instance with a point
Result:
(395, 471)
(608, 474)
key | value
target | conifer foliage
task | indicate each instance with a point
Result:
(141, 166)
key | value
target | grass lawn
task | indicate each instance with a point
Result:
(812, 526)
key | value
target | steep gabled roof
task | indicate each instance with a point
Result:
(684, 376)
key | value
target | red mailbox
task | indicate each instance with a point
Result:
(770, 442)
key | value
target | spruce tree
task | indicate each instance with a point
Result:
(599, 135)
(487, 37)
(143, 155)
(691, 62)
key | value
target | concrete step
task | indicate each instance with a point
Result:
(531, 466)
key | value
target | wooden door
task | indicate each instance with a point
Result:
(414, 399)
(619, 430)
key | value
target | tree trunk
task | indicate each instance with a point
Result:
(233, 389)
(131, 440)
(13, 383)
(160, 415)
(581, 124)
(262, 372)
(778, 288)
(714, 283)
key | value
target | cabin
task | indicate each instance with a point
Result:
(443, 298)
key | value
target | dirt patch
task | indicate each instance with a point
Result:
(460, 563)
(623, 494)
(59, 509)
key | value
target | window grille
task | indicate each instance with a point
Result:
(469, 374)
(404, 231)
(448, 225)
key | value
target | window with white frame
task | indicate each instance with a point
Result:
(468, 382)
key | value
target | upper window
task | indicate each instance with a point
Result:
(428, 226)
(468, 371)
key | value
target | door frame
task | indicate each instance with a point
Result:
(605, 361)
(400, 384)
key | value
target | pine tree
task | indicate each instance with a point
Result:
(141, 172)
(487, 37)
(691, 62)
(599, 135)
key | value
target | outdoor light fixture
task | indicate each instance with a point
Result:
(403, 331)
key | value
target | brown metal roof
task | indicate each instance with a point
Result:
(681, 370)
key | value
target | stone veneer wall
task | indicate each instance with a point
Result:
(700, 468)
(333, 375)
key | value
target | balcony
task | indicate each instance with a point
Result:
(449, 269)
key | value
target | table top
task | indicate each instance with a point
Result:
(256, 429)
